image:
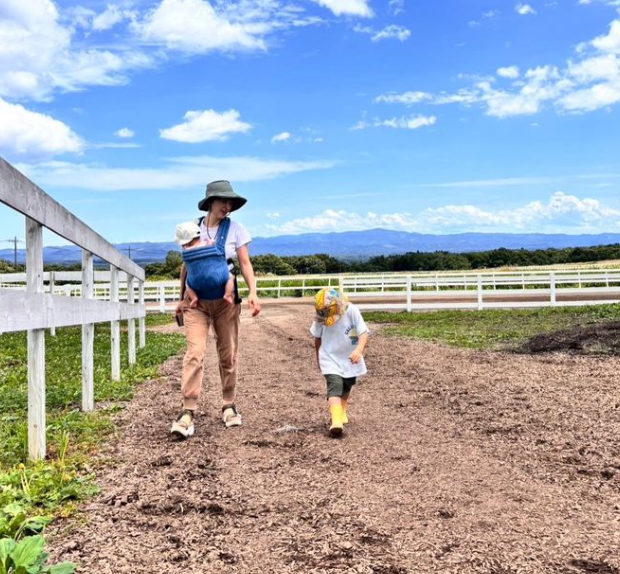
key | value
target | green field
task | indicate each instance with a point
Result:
(491, 329)
(53, 486)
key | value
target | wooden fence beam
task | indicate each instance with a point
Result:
(88, 336)
(131, 324)
(36, 345)
(115, 327)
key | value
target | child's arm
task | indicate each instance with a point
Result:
(317, 346)
(356, 355)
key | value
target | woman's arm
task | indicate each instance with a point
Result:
(248, 274)
(183, 275)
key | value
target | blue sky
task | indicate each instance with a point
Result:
(328, 115)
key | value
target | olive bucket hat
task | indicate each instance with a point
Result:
(221, 189)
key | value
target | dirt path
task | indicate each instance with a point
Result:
(456, 461)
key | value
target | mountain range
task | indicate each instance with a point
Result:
(349, 245)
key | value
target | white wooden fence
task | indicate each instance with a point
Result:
(412, 291)
(30, 309)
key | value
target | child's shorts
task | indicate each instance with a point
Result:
(338, 386)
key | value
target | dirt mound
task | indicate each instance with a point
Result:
(600, 339)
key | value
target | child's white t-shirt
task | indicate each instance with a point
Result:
(338, 342)
(238, 236)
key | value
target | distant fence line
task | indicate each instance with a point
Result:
(406, 291)
(30, 308)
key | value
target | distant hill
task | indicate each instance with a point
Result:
(351, 244)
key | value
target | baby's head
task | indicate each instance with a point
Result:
(187, 234)
(330, 304)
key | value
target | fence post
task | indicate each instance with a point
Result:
(479, 292)
(579, 278)
(436, 281)
(162, 298)
(340, 283)
(552, 287)
(115, 327)
(36, 345)
(303, 286)
(141, 320)
(88, 335)
(52, 285)
(409, 294)
(131, 323)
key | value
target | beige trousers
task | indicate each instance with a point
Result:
(224, 319)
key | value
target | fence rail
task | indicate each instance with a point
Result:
(414, 291)
(26, 306)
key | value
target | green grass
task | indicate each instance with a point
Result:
(490, 329)
(53, 486)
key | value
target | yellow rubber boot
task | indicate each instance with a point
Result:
(335, 428)
(345, 418)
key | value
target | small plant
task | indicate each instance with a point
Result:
(27, 557)
(14, 522)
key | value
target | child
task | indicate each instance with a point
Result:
(340, 336)
(188, 237)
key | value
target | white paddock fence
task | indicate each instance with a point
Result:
(405, 292)
(29, 308)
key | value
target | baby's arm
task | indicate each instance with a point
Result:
(356, 355)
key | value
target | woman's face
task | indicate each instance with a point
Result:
(220, 208)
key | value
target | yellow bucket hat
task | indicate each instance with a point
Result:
(330, 305)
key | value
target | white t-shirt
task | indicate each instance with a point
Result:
(338, 342)
(238, 236)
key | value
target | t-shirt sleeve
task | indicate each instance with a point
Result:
(316, 330)
(242, 237)
(360, 324)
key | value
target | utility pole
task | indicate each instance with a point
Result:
(14, 241)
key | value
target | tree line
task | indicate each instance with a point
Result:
(413, 261)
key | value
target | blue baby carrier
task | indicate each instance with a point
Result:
(206, 266)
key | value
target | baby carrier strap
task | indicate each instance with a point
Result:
(222, 234)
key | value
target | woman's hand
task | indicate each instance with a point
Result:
(179, 308)
(254, 304)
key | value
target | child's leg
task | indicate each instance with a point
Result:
(346, 391)
(334, 400)
(229, 290)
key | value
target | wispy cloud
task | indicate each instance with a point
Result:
(389, 32)
(409, 123)
(561, 213)
(206, 125)
(175, 173)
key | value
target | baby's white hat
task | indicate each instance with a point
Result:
(185, 232)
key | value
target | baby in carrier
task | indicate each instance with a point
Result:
(205, 262)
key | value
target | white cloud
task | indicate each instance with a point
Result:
(195, 26)
(206, 125)
(177, 173)
(588, 83)
(389, 32)
(125, 133)
(37, 57)
(273, 215)
(348, 7)
(511, 72)
(407, 98)
(110, 17)
(410, 123)
(524, 9)
(561, 213)
(281, 137)
(32, 134)
(396, 7)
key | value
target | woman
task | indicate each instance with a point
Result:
(220, 200)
